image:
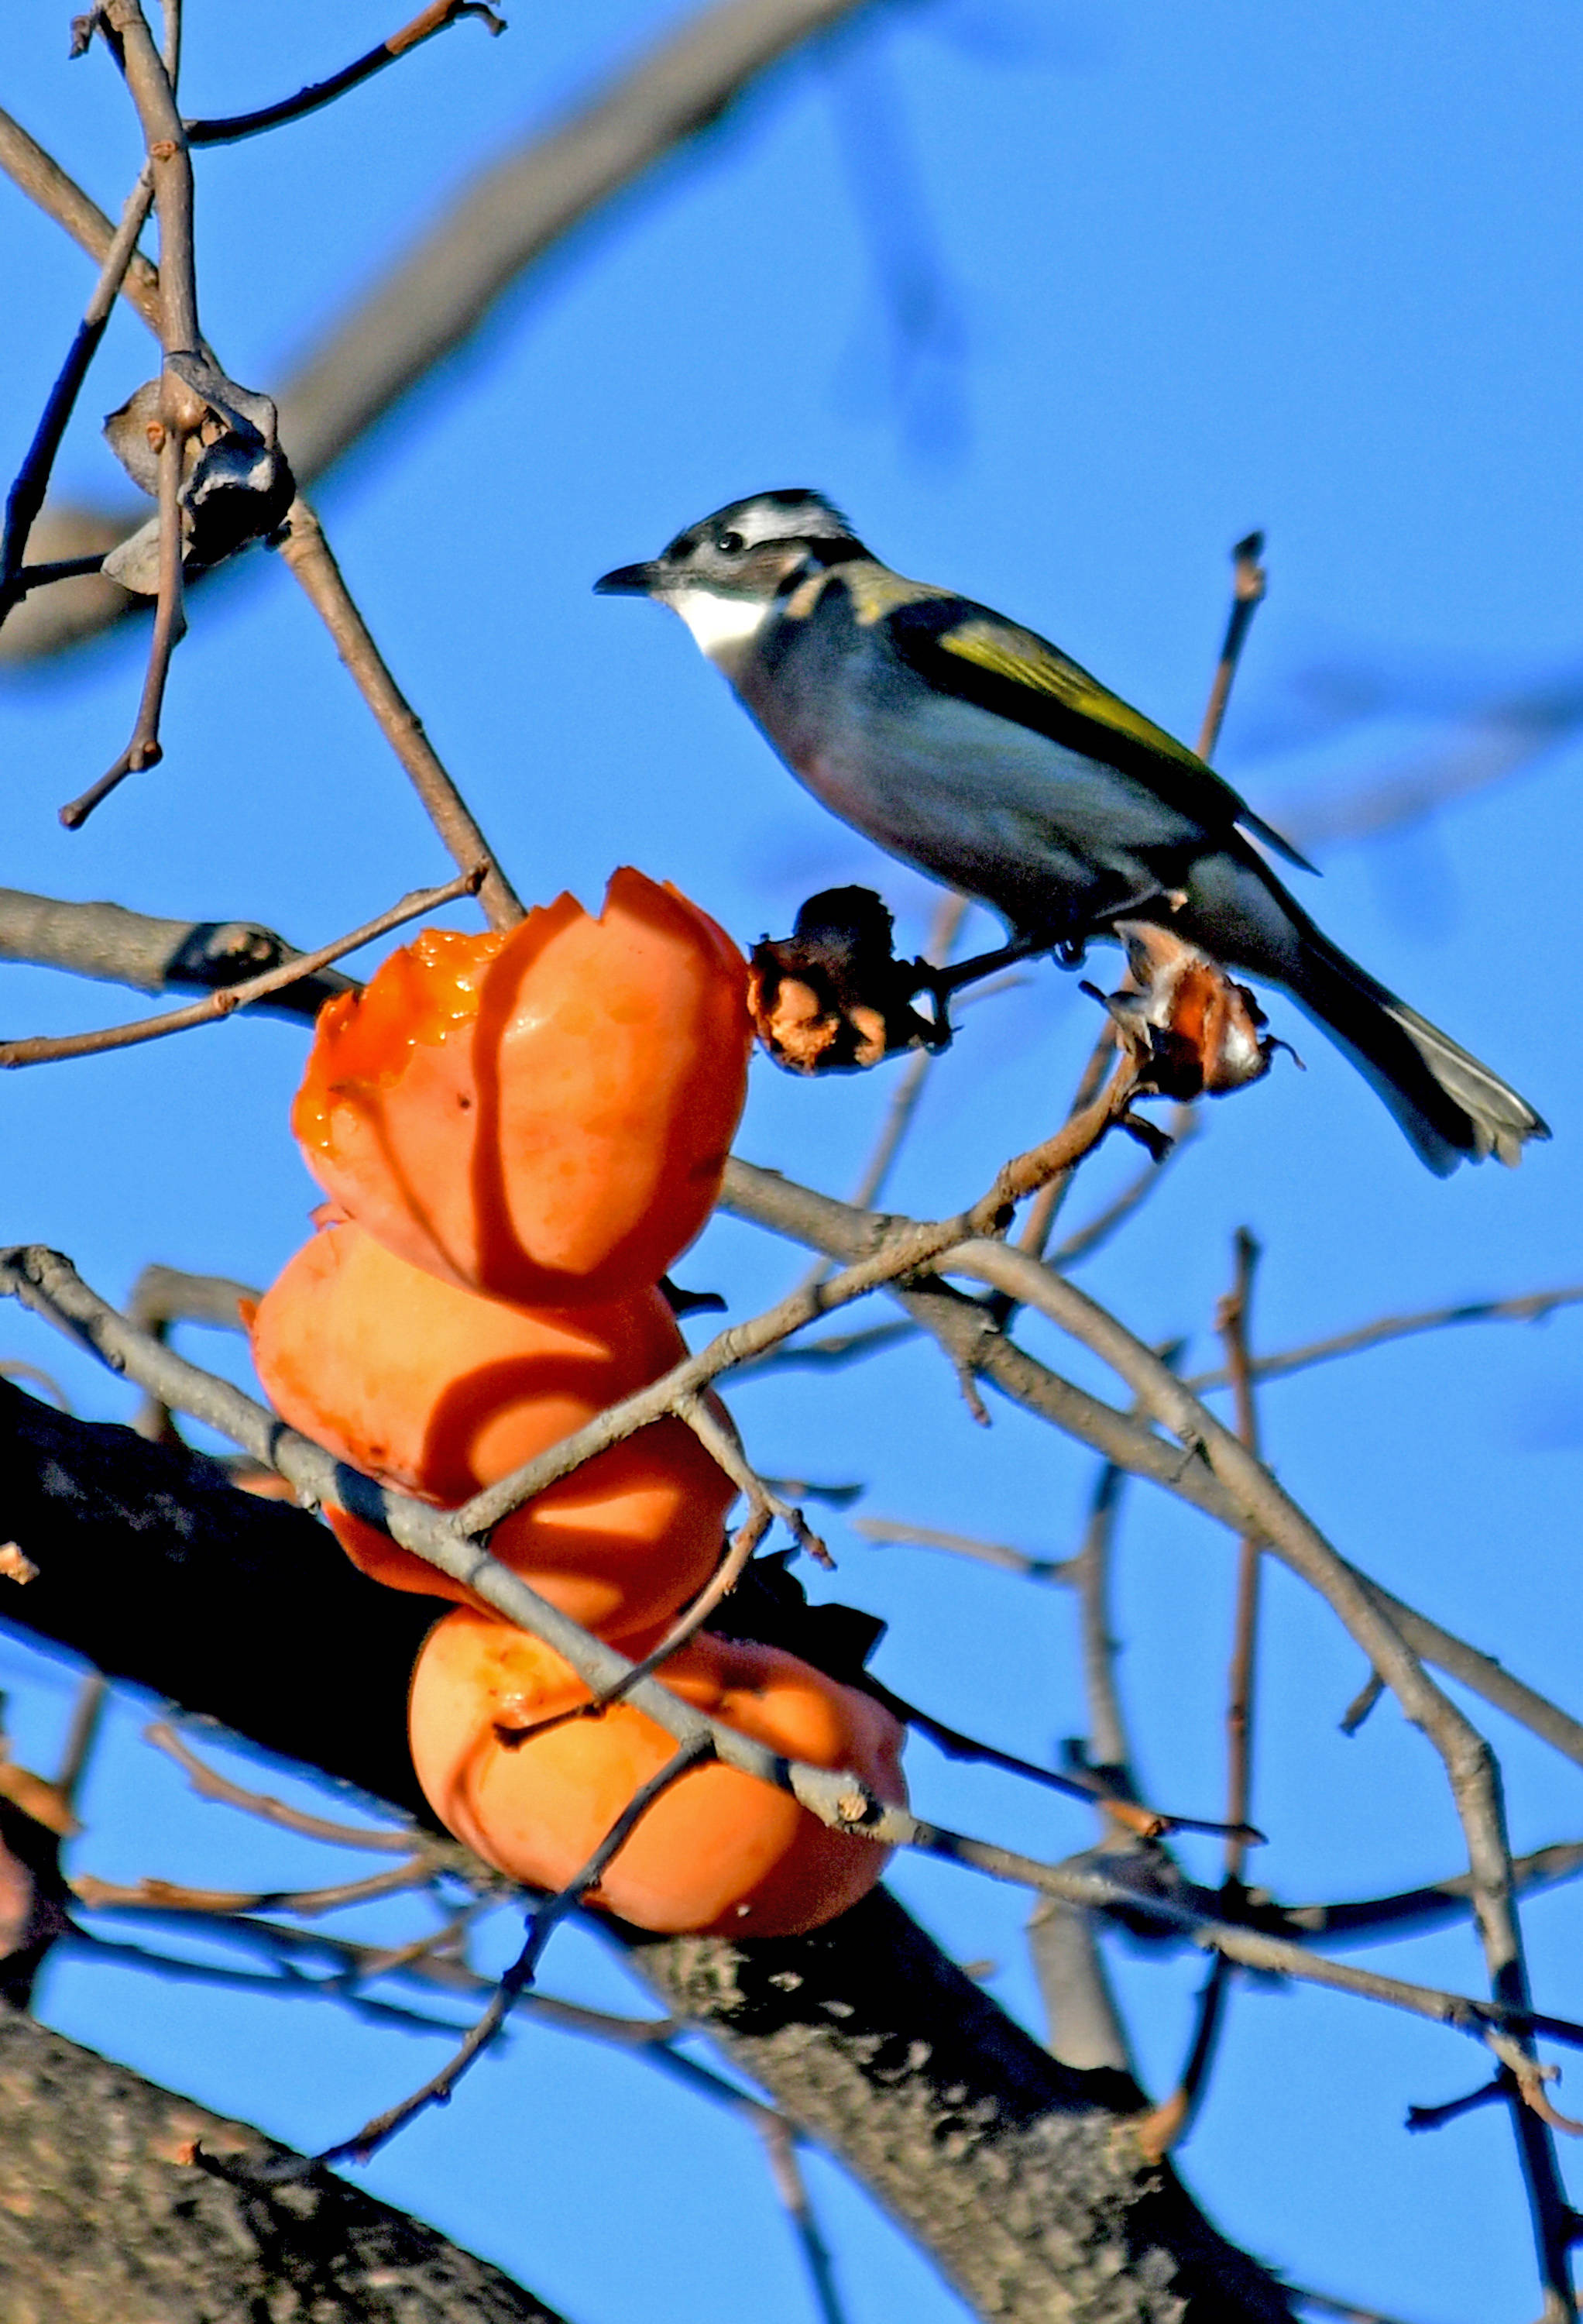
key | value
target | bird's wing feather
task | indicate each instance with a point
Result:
(962, 648)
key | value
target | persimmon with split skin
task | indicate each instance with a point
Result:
(720, 1853)
(541, 1113)
(441, 1392)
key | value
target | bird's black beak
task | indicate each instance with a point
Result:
(628, 581)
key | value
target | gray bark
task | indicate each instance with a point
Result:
(106, 2219)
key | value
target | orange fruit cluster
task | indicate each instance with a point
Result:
(521, 1131)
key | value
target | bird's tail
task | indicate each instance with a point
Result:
(1451, 1108)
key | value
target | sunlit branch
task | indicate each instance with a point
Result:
(423, 27)
(49, 1049)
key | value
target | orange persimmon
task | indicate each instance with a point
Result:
(541, 1114)
(720, 1853)
(440, 1392)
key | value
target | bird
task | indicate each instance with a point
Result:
(977, 752)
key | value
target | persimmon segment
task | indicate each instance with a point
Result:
(440, 1392)
(720, 1853)
(541, 1114)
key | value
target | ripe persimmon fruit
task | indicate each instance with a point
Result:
(440, 1392)
(719, 1852)
(542, 1114)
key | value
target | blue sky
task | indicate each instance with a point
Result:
(1313, 269)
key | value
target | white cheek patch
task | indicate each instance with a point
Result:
(719, 624)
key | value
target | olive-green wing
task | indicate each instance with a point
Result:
(963, 649)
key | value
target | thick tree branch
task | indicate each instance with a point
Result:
(122, 947)
(121, 2203)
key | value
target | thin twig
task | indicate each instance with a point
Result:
(60, 568)
(721, 1444)
(149, 86)
(1232, 1323)
(86, 1714)
(169, 165)
(541, 1925)
(47, 1048)
(1096, 1790)
(210, 1784)
(781, 2150)
(44, 181)
(1249, 585)
(113, 1896)
(1166, 2124)
(1185, 1124)
(163, 1296)
(1413, 1910)
(423, 27)
(691, 1618)
(1067, 1956)
(1045, 1208)
(1361, 1704)
(26, 496)
(902, 1110)
(1107, 1725)
(420, 1964)
(1435, 2117)
(1530, 1307)
(307, 555)
(145, 748)
(171, 46)
(894, 1531)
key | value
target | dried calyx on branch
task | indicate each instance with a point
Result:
(236, 484)
(832, 998)
(1194, 1030)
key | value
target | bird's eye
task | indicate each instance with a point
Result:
(728, 543)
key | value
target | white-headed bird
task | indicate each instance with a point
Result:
(977, 751)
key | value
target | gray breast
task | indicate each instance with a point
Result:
(972, 799)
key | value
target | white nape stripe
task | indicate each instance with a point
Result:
(719, 622)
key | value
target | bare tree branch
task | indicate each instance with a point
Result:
(429, 21)
(511, 216)
(1249, 585)
(122, 947)
(26, 496)
(1471, 1767)
(49, 1049)
(307, 554)
(1528, 1307)
(43, 180)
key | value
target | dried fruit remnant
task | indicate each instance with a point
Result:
(832, 997)
(1197, 1032)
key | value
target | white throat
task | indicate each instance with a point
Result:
(720, 625)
